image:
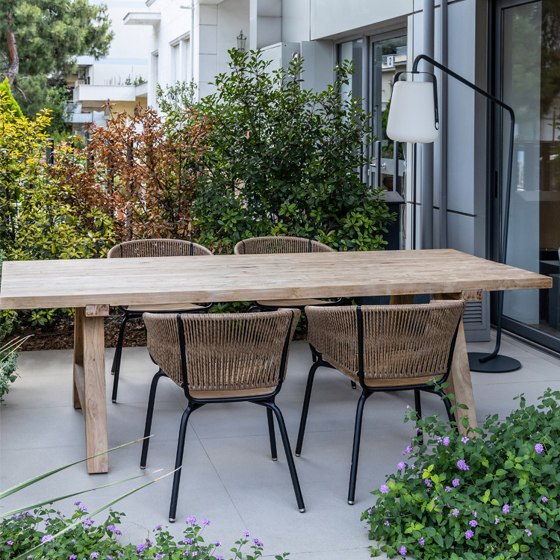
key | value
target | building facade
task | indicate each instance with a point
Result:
(506, 47)
(120, 78)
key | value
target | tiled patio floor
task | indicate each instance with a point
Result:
(228, 475)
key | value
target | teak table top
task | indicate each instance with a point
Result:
(82, 282)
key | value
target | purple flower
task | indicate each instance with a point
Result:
(455, 482)
(445, 441)
(505, 509)
(448, 488)
(219, 558)
(9, 543)
(384, 489)
(72, 557)
(47, 538)
(528, 532)
(455, 512)
(159, 556)
(217, 543)
(462, 465)
(469, 534)
(464, 439)
(539, 447)
(77, 503)
(428, 482)
(473, 523)
(94, 555)
(544, 499)
(141, 547)
(257, 542)
(386, 523)
(88, 522)
(188, 541)
(246, 534)
(401, 466)
(413, 466)
(205, 522)
(421, 541)
(83, 508)
(496, 521)
(407, 450)
(157, 528)
(474, 513)
(402, 550)
(191, 520)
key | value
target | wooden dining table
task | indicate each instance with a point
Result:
(91, 286)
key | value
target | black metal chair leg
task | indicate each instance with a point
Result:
(353, 384)
(305, 409)
(149, 416)
(289, 457)
(418, 408)
(356, 448)
(179, 463)
(116, 367)
(273, 451)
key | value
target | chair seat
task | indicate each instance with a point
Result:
(207, 395)
(182, 306)
(294, 303)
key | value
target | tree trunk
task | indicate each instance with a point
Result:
(13, 68)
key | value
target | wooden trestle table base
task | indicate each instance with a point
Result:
(92, 285)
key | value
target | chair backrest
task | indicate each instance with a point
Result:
(222, 351)
(157, 248)
(387, 341)
(265, 245)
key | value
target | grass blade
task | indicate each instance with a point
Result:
(35, 479)
(24, 555)
(52, 500)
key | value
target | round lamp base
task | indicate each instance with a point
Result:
(499, 364)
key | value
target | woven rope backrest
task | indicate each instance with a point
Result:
(400, 341)
(157, 248)
(223, 351)
(266, 245)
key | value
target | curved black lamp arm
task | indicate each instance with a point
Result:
(504, 230)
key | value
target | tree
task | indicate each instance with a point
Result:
(9, 103)
(283, 160)
(41, 38)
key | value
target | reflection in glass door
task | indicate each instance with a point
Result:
(528, 60)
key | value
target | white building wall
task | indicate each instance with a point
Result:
(129, 50)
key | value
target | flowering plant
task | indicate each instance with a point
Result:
(491, 494)
(22, 532)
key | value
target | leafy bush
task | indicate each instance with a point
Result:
(20, 533)
(282, 160)
(139, 172)
(492, 495)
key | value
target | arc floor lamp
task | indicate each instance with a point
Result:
(414, 117)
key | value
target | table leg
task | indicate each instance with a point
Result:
(89, 384)
(460, 377)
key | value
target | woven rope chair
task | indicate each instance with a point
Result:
(383, 348)
(220, 358)
(151, 248)
(268, 245)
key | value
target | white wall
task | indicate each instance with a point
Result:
(129, 50)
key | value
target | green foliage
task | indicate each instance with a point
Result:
(494, 494)
(8, 362)
(22, 532)
(283, 160)
(10, 104)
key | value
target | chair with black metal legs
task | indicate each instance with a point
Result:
(151, 248)
(383, 348)
(284, 244)
(222, 358)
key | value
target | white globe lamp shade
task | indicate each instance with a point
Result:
(412, 113)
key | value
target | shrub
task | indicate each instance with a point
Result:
(20, 533)
(140, 172)
(492, 495)
(282, 160)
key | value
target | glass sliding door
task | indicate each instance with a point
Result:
(528, 79)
